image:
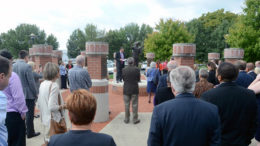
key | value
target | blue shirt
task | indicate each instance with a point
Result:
(62, 70)
(3, 130)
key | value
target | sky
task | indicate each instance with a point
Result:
(62, 17)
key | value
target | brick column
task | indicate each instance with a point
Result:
(213, 56)
(41, 54)
(58, 53)
(184, 54)
(97, 67)
(83, 53)
(233, 54)
(150, 57)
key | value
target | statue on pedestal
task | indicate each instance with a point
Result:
(137, 48)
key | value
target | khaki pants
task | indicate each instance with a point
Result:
(127, 100)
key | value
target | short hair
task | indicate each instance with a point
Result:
(257, 64)
(227, 71)
(212, 65)
(6, 54)
(203, 73)
(257, 70)
(4, 65)
(183, 79)
(121, 48)
(50, 71)
(23, 54)
(250, 66)
(82, 107)
(80, 60)
(153, 65)
(130, 61)
(31, 63)
(240, 64)
(172, 65)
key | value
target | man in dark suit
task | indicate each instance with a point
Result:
(131, 77)
(120, 64)
(250, 69)
(237, 107)
(243, 78)
(184, 120)
(24, 71)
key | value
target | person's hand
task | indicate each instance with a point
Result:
(23, 117)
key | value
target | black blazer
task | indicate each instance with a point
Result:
(131, 77)
(212, 77)
(163, 94)
(238, 111)
(185, 121)
(244, 79)
(252, 74)
(118, 62)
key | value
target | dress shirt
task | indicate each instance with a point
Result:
(62, 70)
(15, 95)
(79, 78)
(3, 130)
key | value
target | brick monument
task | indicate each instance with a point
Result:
(150, 57)
(233, 54)
(96, 53)
(184, 54)
(41, 54)
(58, 53)
(213, 56)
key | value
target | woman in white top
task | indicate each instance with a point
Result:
(49, 94)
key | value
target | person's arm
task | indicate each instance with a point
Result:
(88, 80)
(16, 90)
(36, 75)
(155, 133)
(118, 57)
(216, 133)
(53, 104)
(31, 82)
(255, 85)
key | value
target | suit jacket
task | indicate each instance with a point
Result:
(119, 64)
(185, 121)
(237, 110)
(162, 81)
(24, 71)
(163, 94)
(252, 74)
(244, 79)
(131, 77)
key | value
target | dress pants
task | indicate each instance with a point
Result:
(127, 100)
(63, 81)
(30, 103)
(16, 129)
(119, 73)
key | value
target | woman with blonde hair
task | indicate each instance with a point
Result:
(50, 103)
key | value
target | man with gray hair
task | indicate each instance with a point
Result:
(78, 76)
(184, 120)
(131, 77)
(163, 79)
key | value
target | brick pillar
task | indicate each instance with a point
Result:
(150, 57)
(83, 53)
(58, 54)
(41, 54)
(213, 56)
(97, 67)
(233, 54)
(184, 54)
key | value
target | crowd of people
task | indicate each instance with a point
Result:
(217, 105)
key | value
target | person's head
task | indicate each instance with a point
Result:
(82, 107)
(80, 60)
(257, 70)
(153, 65)
(182, 80)
(130, 61)
(250, 66)
(203, 73)
(227, 72)
(50, 71)
(172, 65)
(32, 64)
(211, 66)
(121, 49)
(240, 64)
(257, 64)
(5, 72)
(69, 62)
(23, 54)
(6, 54)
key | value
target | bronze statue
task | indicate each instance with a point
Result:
(137, 48)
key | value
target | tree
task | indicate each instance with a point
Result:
(52, 40)
(168, 32)
(245, 33)
(22, 38)
(209, 31)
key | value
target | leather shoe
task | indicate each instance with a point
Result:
(33, 135)
(126, 121)
(137, 121)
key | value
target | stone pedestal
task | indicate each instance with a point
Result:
(233, 54)
(150, 57)
(96, 53)
(184, 54)
(41, 54)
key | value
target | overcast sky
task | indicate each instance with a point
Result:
(61, 17)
